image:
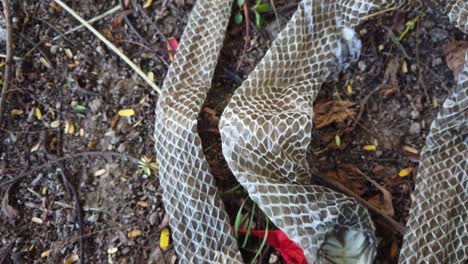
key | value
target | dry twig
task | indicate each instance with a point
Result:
(9, 57)
(110, 46)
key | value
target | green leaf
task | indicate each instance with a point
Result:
(238, 219)
(249, 226)
(240, 2)
(267, 222)
(262, 7)
(258, 20)
(238, 18)
(79, 107)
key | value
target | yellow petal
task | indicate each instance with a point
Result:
(148, 3)
(55, 7)
(164, 239)
(55, 124)
(126, 112)
(69, 127)
(349, 89)
(37, 220)
(410, 150)
(404, 67)
(71, 259)
(405, 172)
(38, 113)
(69, 53)
(134, 233)
(112, 250)
(46, 253)
(99, 172)
(17, 111)
(370, 147)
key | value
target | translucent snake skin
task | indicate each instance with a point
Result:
(266, 129)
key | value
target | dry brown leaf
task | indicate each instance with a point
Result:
(455, 56)
(117, 21)
(10, 212)
(71, 259)
(327, 113)
(390, 82)
(383, 202)
(134, 233)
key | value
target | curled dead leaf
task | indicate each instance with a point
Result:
(8, 210)
(134, 233)
(327, 113)
(390, 82)
(455, 56)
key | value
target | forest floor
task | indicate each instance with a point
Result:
(64, 140)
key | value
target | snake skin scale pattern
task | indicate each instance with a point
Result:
(266, 129)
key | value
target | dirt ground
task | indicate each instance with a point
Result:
(62, 136)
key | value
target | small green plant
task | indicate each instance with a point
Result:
(258, 8)
(146, 165)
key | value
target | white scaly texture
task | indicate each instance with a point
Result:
(266, 129)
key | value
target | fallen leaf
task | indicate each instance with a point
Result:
(112, 250)
(455, 56)
(38, 113)
(349, 89)
(8, 210)
(17, 111)
(172, 46)
(394, 249)
(71, 259)
(46, 253)
(55, 7)
(117, 21)
(390, 81)
(330, 112)
(126, 112)
(92, 144)
(69, 127)
(36, 147)
(134, 233)
(44, 62)
(148, 3)
(164, 239)
(404, 67)
(383, 202)
(115, 121)
(99, 172)
(55, 124)
(142, 204)
(410, 150)
(68, 53)
(405, 172)
(370, 147)
(37, 220)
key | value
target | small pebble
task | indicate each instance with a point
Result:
(54, 49)
(415, 128)
(414, 114)
(362, 65)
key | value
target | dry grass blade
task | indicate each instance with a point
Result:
(110, 46)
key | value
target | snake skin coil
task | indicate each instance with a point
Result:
(266, 129)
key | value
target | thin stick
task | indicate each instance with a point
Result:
(110, 46)
(9, 57)
(92, 20)
(247, 35)
(396, 226)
